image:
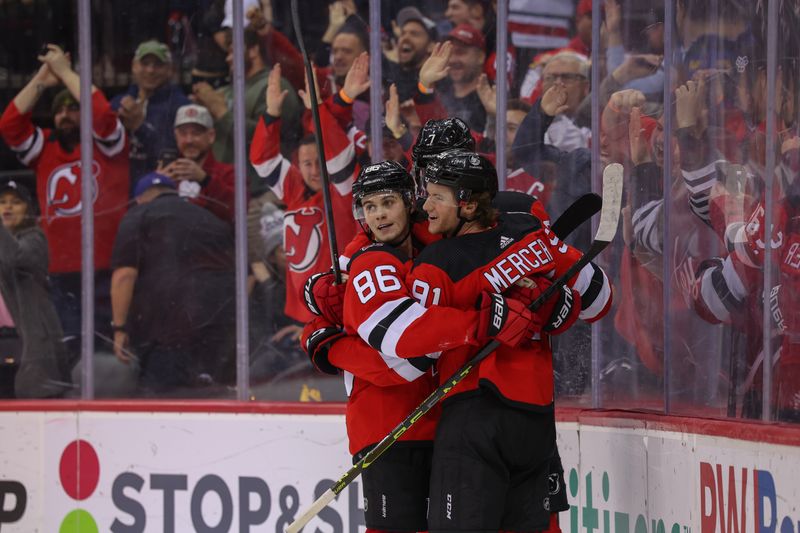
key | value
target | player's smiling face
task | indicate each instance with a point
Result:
(386, 215)
(442, 209)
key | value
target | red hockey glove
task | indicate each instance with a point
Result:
(317, 338)
(323, 297)
(505, 320)
(558, 313)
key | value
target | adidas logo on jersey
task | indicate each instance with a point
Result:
(505, 241)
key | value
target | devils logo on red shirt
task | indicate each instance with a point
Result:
(303, 237)
(64, 189)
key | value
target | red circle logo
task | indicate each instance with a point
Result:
(79, 469)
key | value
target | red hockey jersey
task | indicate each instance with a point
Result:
(521, 181)
(377, 293)
(454, 272)
(305, 229)
(58, 182)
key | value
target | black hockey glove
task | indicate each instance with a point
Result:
(317, 338)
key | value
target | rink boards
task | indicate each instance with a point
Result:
(222, 467)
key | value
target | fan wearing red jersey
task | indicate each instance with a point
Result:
(382, 387)
(505, 408)
(54, 155)
(305, 227)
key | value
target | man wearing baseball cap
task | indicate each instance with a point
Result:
(147, 108)
(198, 175)
(417, 37)
(465, 67)
(33, 363)
(170, 292)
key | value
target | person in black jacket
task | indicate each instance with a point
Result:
(32, 355)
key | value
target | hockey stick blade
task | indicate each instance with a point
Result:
(609, 218)
(576, 214)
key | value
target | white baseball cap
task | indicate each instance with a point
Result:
(193, 114)
(227, 22)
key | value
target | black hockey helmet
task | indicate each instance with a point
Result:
(386, 176)
(464, 171)
(436, 136)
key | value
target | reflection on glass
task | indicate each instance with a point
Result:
(164, 203)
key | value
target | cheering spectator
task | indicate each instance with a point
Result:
(475, 13)
(454, 68)
(200, 177)
(570, 71)
(417, 37)
(172, 291)
(300, 188)
(147, 109)
(580, 44)
(54, 155)
(30, 333)
(350, 42)
(220, 104)
(279, 48)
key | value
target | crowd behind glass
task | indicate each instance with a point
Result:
(698, 107)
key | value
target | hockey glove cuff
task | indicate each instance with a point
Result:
(323, 297)
(317, 338)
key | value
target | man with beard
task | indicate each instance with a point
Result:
(417, 37)
(54, 155)
(220, 104)
(200, 177)
(459, 64)
(147, 109)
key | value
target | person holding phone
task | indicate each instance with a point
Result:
(199, 176)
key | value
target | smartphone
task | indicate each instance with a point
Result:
(167, 156)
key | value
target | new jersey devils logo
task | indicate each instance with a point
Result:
(303, 237)
(64, 189)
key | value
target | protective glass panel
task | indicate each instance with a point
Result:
(40, 336)
(171, 269)
(784, 398)
(628, 350)
(547, 140)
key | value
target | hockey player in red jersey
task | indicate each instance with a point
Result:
(496, 437)
(435, 137)
(382, 387)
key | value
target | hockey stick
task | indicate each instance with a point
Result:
(326, 180)
(609, 218)
(576, 214)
